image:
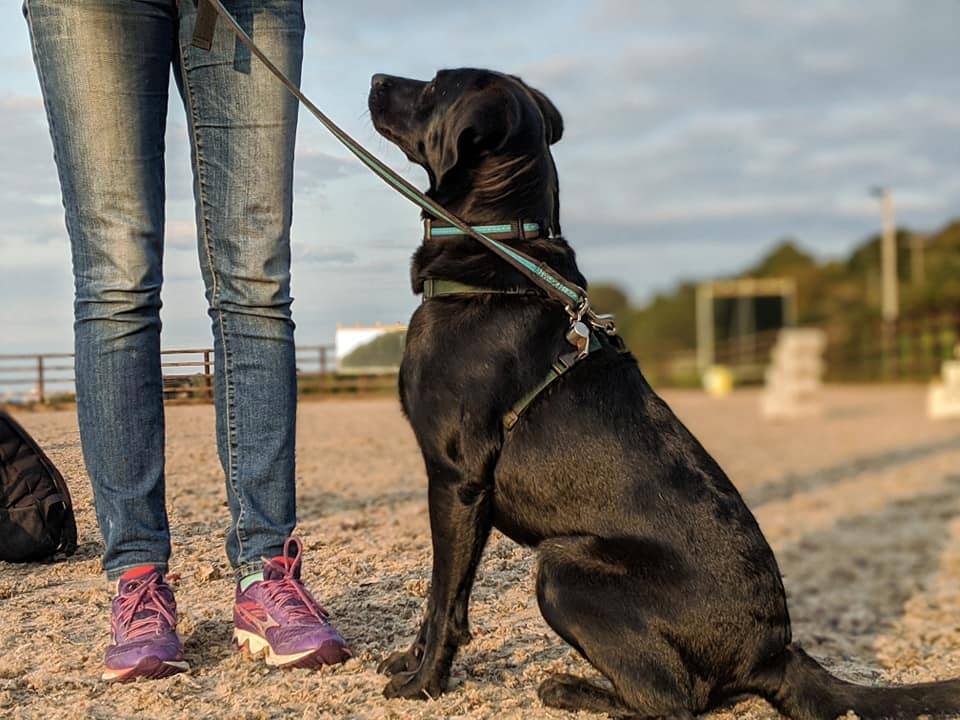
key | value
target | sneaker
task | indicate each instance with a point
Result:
(143, 626)
(276, 618)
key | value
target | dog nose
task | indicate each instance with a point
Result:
(379, 81)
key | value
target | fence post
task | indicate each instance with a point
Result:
(207, 378)
(955, 326)
(323, 359)
(887, 344)
(41, 390)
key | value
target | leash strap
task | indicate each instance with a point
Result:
(568, 293)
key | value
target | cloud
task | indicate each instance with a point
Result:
(27, 172)
(180, 234)
(833, 61)
(314, 256)
(696, 134)
(314, 168)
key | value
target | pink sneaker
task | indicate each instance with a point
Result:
(277, 618)
(144, 629)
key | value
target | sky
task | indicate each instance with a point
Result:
(697, 134)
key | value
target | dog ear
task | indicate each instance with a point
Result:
(486, 121)
(551, 116)
(552, 119)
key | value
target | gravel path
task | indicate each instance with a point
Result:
(862, 507)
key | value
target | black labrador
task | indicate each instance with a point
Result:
(650, 563)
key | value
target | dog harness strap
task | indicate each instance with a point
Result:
(206, 23)
(560, 367)
(439, 287)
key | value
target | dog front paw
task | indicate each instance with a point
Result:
(418, 685)
(460, 635)
(402, 661)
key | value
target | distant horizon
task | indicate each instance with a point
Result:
(696, 136)
(636, 303)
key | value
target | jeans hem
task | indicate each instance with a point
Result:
(113, 574)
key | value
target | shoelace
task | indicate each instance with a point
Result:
(287, 592)
(147, 598)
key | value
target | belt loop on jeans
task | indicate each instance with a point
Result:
(205, 25)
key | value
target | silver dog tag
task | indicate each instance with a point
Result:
(579, 337)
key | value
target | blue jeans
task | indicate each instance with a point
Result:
(104, 69)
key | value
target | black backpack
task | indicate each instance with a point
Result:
(36, 513)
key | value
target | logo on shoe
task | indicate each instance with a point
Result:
(256, 615)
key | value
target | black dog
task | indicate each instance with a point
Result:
(651, 565)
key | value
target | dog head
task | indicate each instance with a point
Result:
(483, 137)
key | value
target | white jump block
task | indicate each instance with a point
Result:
(950, 372)
(807, 363)
(943, 398)
(793, 380)
(802, 339)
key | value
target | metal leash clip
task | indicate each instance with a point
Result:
(579, 333)
(579, 336)
(602, 321)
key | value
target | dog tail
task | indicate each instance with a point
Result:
(802, 689)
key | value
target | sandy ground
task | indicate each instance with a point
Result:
(861, 506)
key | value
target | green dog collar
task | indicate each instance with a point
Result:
(515, 230)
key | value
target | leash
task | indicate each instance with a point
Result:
(572, 296)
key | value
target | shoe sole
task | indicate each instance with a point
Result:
(150, 668)
(253, 647)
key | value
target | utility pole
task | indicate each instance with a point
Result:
(890, 303)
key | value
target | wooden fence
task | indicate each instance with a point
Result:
(187, 376)
(910, 349)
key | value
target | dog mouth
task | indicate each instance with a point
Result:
(376, 104)
(379, 98)
(381, 127)
(378, 101)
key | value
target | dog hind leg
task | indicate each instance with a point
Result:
(598, 609)
(568, 692)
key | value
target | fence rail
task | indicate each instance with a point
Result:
(911, 349)
(187, 375)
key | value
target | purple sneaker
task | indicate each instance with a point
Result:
(144, 629)
(278, 619)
